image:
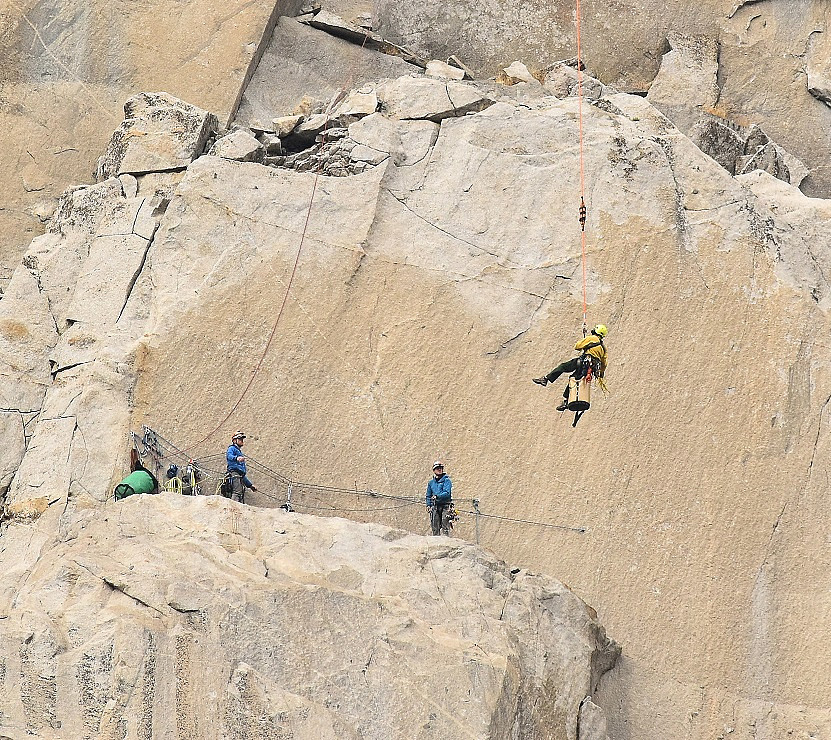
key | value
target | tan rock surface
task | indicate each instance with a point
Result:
(71, 367)
(66, 69)
(443, 71)
(201, 618)
(476, 293)
(430, 99)
(623, 44)
(687, 91)
(240, 146)
(429, 290)
(687, 82)
(159, 133)
(301, 61)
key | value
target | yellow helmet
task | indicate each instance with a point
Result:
(600, 330)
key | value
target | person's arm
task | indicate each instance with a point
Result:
(449, 487)
(247, 483)
(230, 456)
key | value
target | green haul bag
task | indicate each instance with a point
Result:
(140, 481)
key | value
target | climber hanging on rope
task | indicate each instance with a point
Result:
(592, 355)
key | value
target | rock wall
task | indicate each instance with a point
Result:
(171, 616)
(625, 43)
(301, 61)
(66, 69)
(431, 286)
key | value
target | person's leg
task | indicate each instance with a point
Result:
(445, 520)
(564, 367)
(236, 488)
(569, 366)
(435, 519)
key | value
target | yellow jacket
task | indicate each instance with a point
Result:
(593, 346)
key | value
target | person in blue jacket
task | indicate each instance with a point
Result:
(439, 500)
(237, 471)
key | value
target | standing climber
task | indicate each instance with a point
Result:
(592, 351)
(237, 472)
(439, 500)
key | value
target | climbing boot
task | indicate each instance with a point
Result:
(563, 406)
(541, 381)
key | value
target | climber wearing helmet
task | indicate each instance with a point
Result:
(591, 350)
(439, 500)
(237, 472)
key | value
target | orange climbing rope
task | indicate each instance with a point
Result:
(583, 210)
(276, 321)
(271, 336)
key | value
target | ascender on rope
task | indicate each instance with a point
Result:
(582, 214)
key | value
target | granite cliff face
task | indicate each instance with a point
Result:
(439, 272)
(66, 69)
(172, 616)
(759, 62)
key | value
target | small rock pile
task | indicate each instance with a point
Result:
(335, 143)
(314, 143)
(741, 149)
(330, 155)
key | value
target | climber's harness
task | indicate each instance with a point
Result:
(588, 365)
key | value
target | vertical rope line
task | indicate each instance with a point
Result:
(318, 170)
(582, 162)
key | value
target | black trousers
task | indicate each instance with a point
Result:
(578, 365)
(439, 518)
(569, 366)
(237, 487)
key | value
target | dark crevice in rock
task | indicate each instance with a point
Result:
(721, 73)
(166, 170)
(30, 263)
(773, 532)
(743, 4)
(715, 208)
(817, 438)
(55, 370)
(335, 26)
(326, 158)
(18, 411)
(122, 588)
(136, 274)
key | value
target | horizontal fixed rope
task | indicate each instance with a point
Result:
(581, 530)
(262, 468)
(296, 505)
(300, 489)
(312, 488)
